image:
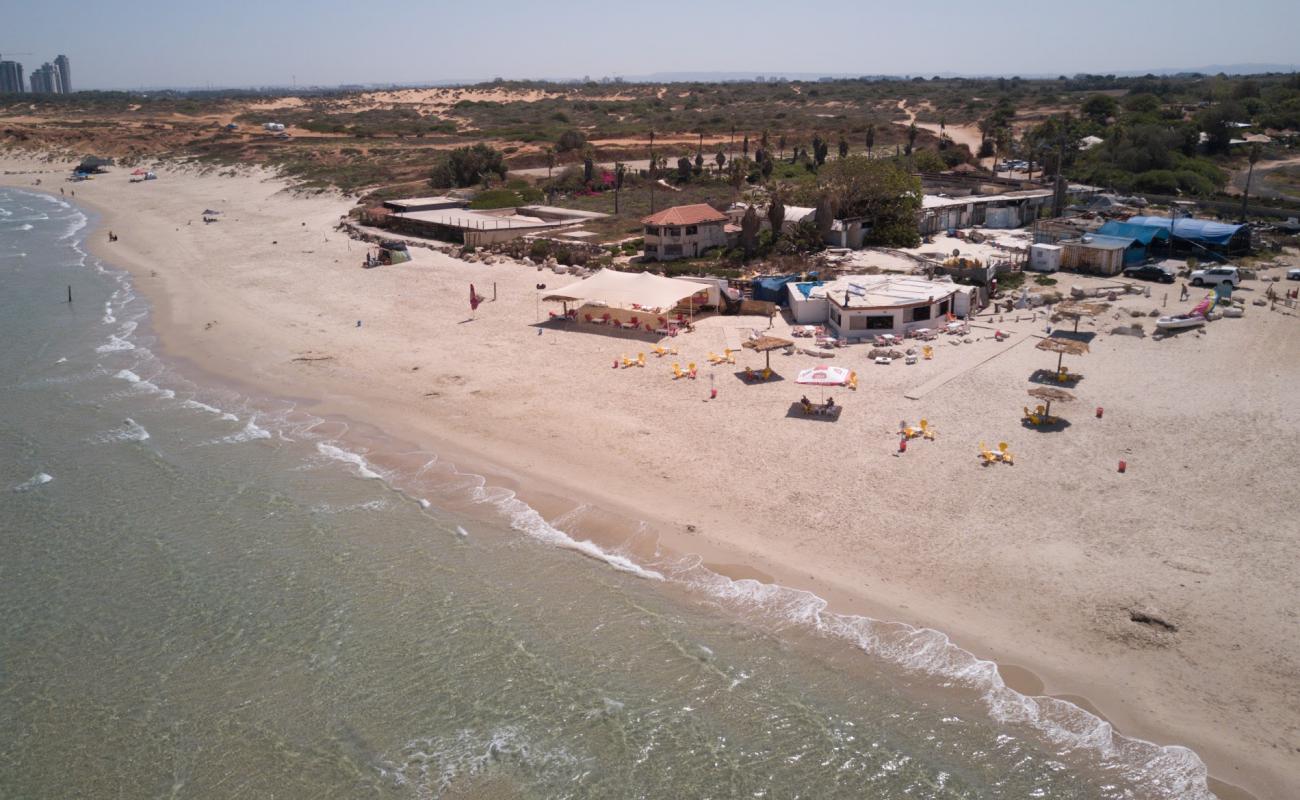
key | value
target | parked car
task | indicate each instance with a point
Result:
(1216, 276)
(1149, 272)
(1293, 274)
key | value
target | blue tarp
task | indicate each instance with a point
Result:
(1145, 234)
(1197, 230)
(772, 288)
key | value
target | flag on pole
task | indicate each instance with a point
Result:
(474, 299)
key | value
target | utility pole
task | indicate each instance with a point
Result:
(1058, 198)
(652, 171)
(1245, 196)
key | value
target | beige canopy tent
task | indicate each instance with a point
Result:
(627, 290)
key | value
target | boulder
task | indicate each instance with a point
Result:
(1077, 293)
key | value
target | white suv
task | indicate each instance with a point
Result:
(1216, 276)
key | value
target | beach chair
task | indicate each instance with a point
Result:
(767, 373)
(729, 356)
(1005, 454)
(714, 358)
(677, 371)
(749, 375)
(589, 319)
(926, 431)
(1034, 419)
(910, 433)
(928, 352)
(690, 370)
(659, 350)
(640, 359)
(987, 455)
(628, 362)
(853, 381)
(807, 407)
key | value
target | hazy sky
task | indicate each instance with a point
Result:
(150, 43)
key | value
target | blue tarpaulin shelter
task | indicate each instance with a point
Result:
(1220, 235)
(1145, 234)
(772, 288)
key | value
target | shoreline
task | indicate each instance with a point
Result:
(179, 344)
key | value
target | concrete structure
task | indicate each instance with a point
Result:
(448, 219)
(424, 204)
(1011, 209)
(683, 232)
(65, 73)
(1045, 257)
(862, 306)
(11, 78)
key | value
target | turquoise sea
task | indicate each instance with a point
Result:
(206, 594)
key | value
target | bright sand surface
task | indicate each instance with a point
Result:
(1037, 566)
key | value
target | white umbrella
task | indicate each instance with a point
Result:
(822, 375)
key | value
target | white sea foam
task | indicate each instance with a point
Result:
(62, 360)
(130, 431)
(78, 222)
(461, 532)
(250, 432)
(114, 344)
(339, 454)
(25, 226)
(524, 518)
(39, 479)
(1164, 771)
(369, 505)
(127, 375)
(108, 318)
(196, 405)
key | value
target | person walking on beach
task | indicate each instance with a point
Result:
(1182, 292)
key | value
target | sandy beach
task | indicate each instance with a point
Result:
(1042, 566)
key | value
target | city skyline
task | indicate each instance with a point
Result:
(331, 43)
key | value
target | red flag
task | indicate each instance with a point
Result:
(474, 299)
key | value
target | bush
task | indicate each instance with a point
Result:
(570, 140)
(540, 250)
(1043, 280)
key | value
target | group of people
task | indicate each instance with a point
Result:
(826, 409)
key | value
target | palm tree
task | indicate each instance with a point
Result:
(871, 139)
(912, 130)
(550, 161)
(780, 144)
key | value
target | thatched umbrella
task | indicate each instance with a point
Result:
(1077, 309)
(1050, 393)
(1061, 347)
(766, 344)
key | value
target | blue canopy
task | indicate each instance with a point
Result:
(772, 288)
(1199, 230)
(1143, 233)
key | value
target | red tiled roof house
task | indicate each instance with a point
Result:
(683, 232)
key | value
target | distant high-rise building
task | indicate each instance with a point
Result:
(45, 79)
(65, 73)
(11, 77)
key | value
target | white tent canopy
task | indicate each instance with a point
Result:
(626, 289)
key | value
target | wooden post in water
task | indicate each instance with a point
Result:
(494, 291)
(69, 293)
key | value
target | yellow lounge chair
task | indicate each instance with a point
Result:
(853, 381)
(690, 370)
(677, 371)
(659, 350)
(640, 359)
(714, 358)
(729, 356)
(1033, 418)
(988, 455)
(926, 430)
(911, 433)
(767, 373)
(928, 352)
(628, 362)
(1005, 454)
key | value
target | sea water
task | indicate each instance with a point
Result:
(209, 594)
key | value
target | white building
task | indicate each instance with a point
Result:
(861, 306)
